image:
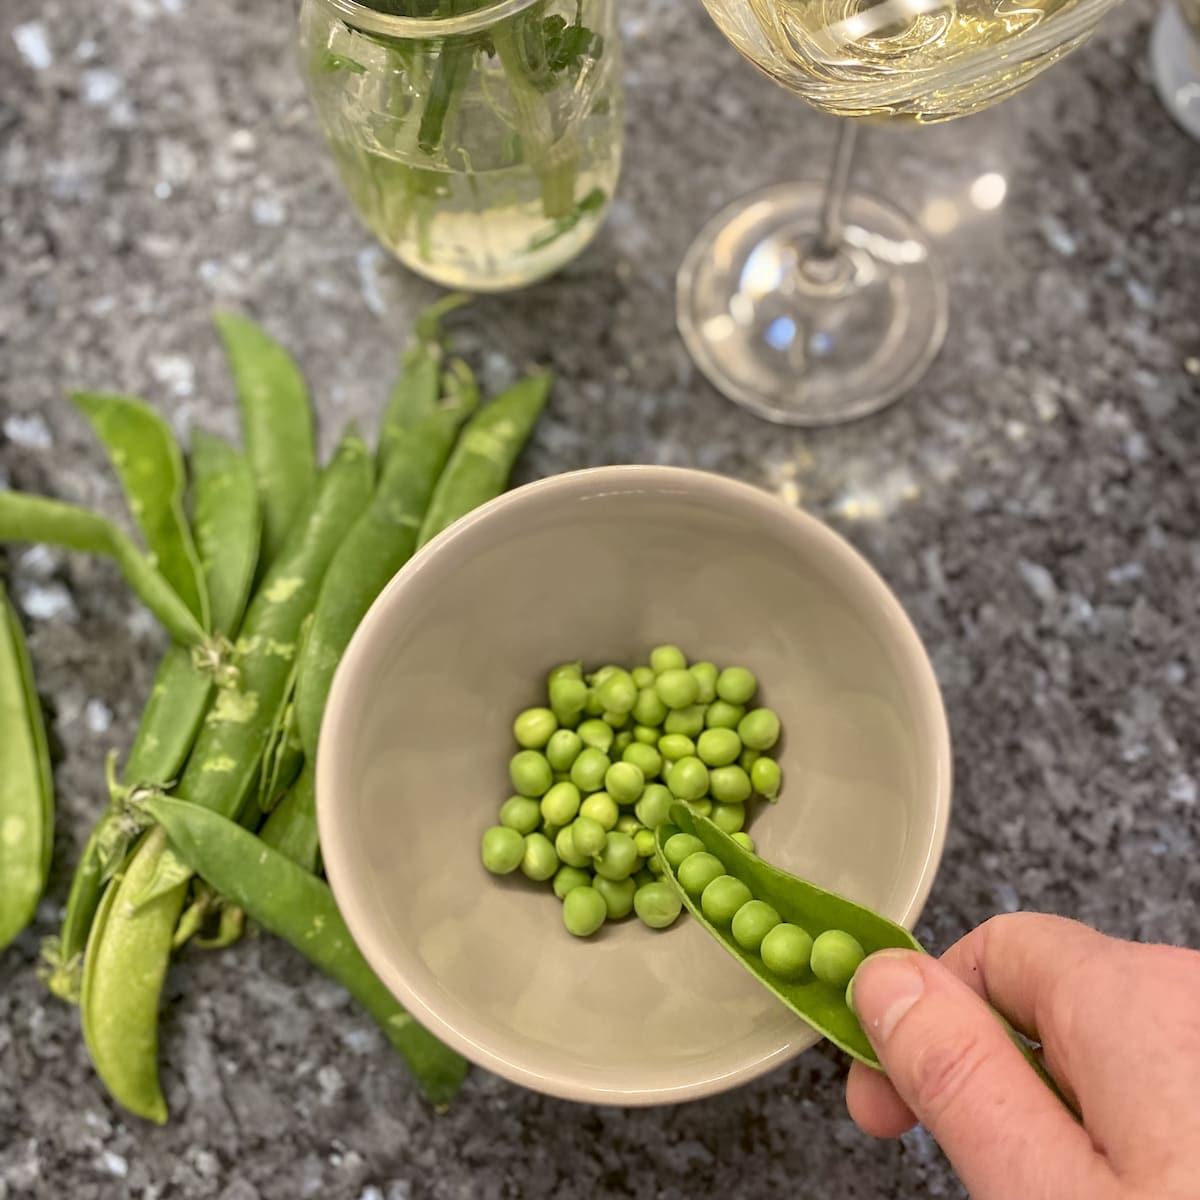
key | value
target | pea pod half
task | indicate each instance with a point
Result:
(815, 910)
(26, 787)
(296, 906)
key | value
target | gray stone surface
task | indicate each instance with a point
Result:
(1033, 502)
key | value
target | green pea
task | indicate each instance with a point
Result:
(677, 689)
(622, 742)
(643, 877)
(667, 658)
(674, 746)
(624, 782)
(706, 679)
(568, 696)
(560, 804)
(786, 951)
(646, 734)
(654, 866)
(569, 720)
(539, 861)
(587, 836)
(718, 747)
(722, 898)
(567, 879)
(618, 859)
(587, 771)
(689, 779)
(534, 727)
(551, 831)
(729, 818)
(596, 735)
(748, 758)
(657, 904)
(521, 813)
(836, 956)
(759, 729)
(618, 896)
(766, 778)
(601, 808)
(628, 823)
(643, 677)
(618, 693)
(530, 773)
(752, 922)
(598, 676)
(646, 758)
(643, 840)
(615, 720)
(744, 840)
(649, 709)
(722, 715)
(564, 847)
(665, 773)
(502, 849)
(680, 846)
(563, 749)
(703, 806)
(571, 670)
(584, 911)
(592, 706)
(654, 807)
(688, 721)
(561, 776)
(736, 685)
(729, 785)
(698, 870)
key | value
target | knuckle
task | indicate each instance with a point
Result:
(944, 1070)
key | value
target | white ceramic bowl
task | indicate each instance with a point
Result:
(603, 565)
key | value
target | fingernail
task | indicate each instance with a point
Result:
(884, 988)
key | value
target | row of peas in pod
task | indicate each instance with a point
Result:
(600, 764)
(787, 950)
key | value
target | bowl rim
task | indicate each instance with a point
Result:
(331, 820)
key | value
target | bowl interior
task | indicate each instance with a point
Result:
(604, 565)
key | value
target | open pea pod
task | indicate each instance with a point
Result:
(815, 910)
(804, 904)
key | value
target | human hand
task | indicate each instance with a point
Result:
(1119, 1024)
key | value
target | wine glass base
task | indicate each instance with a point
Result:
(804, 340)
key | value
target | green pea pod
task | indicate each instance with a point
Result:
(26, 785)
(415, 394)
(146, 458)
(292, 826)
(225, 515)
(123, 973)
(228, 527)
(293, 904)
(25, 518)
(379, 544)
(278, 424)
(814, 910)
(483, 460)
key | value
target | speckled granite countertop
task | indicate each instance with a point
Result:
(1035, 504)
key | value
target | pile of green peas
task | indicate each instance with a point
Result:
(599, 766)
(788, 951)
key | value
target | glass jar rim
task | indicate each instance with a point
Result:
(371, 20)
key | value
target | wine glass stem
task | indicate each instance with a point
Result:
(829, 235)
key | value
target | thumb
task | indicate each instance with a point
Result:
(953, 1064)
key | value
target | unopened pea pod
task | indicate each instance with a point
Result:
(416, 392)
(814, 910)
(147, 460)
(278, 425)
(292, 826)
(25, 518)
(293, 904)
(482, 461)
(378, 544)
(26, 786)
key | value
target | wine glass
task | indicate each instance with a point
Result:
(812, 304)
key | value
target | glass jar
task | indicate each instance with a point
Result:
(480, 141)
(1175, 61)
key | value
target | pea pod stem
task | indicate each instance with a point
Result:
(25, 518)
(293, 904)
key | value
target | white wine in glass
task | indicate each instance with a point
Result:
(816, 304)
